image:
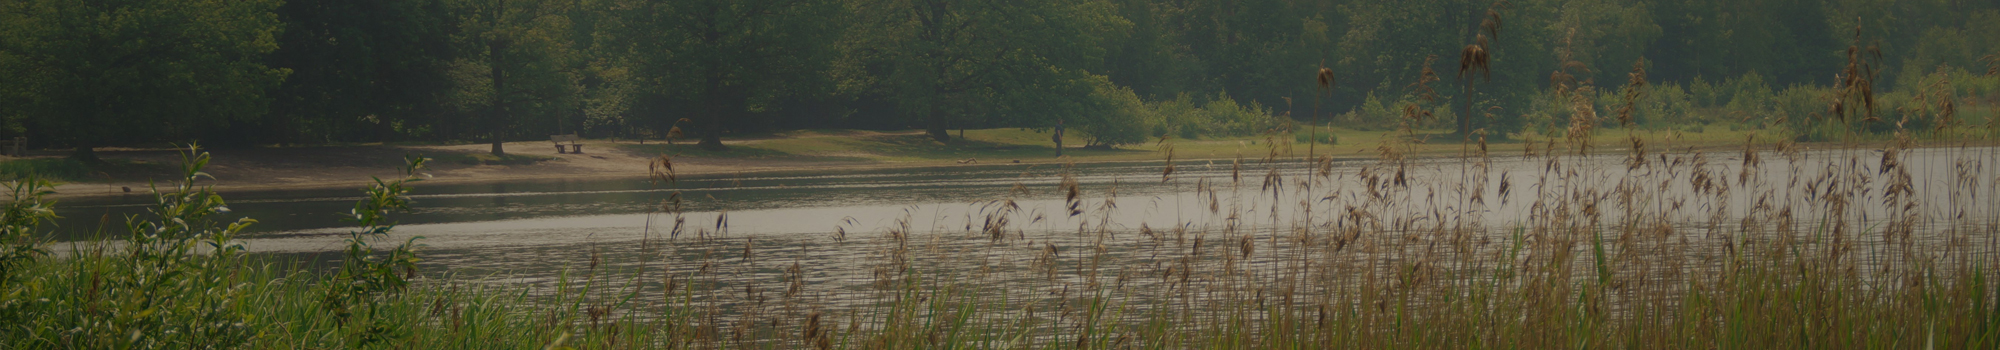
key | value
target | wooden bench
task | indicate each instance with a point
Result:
(567, 143)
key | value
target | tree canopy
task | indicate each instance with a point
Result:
(83, 74)
(96, 73)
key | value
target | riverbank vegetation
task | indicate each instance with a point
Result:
(1763, 248)
(1859, 212)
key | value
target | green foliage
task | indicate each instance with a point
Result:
(720, 61)
(1660, 106)
(88, 74)
(173, 283)
(20, 220)
(497, 70)
(512, 66)
(1179, 117)
(354, 293)
(1220, 116)
(368, 70)
(1226, 117)
(1116, 116)
(1322, 136)
(48, 168)
(1372, 114)
(952, 64)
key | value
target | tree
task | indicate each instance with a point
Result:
(937, 58)
(512, 60)
(724, 56)
(97, 73)
(361, 70)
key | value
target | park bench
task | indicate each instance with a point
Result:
(567, 143)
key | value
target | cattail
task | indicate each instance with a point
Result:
(1325, 78)
(1633, 90)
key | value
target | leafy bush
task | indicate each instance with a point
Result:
(1118, 117)
(1220, 116)
(172, 285)
(364, 276)
(20, 218)
(1232, 119)
(1323, 137)
(1372, 114)
(1179, 117)
(181, 280)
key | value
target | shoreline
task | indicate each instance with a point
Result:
(335, 167)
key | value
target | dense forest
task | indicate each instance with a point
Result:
(101, 73)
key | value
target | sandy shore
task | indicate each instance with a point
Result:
(353, 166)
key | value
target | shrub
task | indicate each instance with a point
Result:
(1232, 119)
(20, 219)
(1219, 116)
(1323, 137)
(1117, 117)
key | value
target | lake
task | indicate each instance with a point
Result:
(1015, 229)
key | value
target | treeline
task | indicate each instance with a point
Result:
(96, 73)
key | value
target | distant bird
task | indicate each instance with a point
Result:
(128, 189)
(1017, 161)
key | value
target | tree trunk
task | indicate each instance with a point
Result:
(711, 134)
(711, 125)
(497, 52)
(935, 125)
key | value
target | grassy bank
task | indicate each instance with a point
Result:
(1385, 262)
